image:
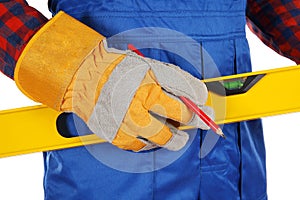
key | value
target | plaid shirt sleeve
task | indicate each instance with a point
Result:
(18, 23)
(277, 24)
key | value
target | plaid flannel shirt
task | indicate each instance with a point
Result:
(18, 23)
(275, 22)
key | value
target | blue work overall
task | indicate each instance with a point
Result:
(233, 169)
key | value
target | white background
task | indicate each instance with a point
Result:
(21, 177)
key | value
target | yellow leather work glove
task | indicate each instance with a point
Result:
(124, 98)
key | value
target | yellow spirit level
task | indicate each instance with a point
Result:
(234, 98)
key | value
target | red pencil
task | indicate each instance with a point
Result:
(207, 120)
(191, 105)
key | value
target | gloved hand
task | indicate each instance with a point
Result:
(124, 98)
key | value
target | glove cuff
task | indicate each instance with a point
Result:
(51, 58)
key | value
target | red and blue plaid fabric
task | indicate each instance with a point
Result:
(18, 23)
(277, 24)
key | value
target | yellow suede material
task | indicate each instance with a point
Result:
(86, 85)
(51, 58)
(150, 97)
(127, 142)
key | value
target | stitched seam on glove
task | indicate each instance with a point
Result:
(87, 83)
(109, 111)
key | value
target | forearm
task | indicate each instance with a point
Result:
(277, 24)
(18, 23)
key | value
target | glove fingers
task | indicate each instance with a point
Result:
(167, 136)
(138, 122)
(175, 143)
(178, 141)
(180, 83)
(128, 142)
(149, 145)
(197, 122)
(153, 98)
(171, 107)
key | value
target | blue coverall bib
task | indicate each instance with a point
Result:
(233, 169)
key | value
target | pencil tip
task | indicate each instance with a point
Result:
(220, 133)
